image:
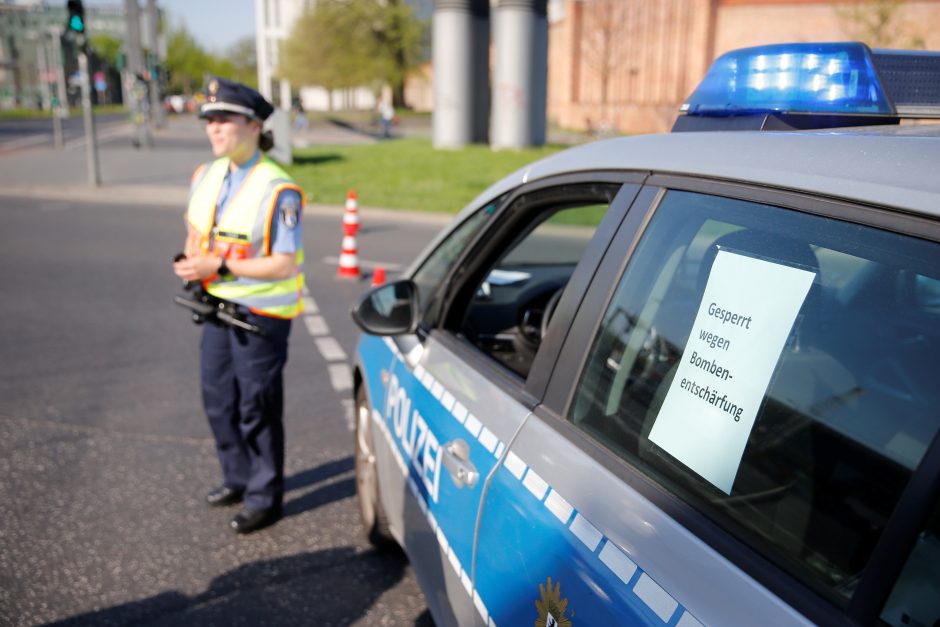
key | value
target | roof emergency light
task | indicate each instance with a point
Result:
(828, 79)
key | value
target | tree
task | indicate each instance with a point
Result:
(107, 48)
(879, 23)
(349, 43)
(607, 25)
(186, 62)
(243, 56)
(401, 39)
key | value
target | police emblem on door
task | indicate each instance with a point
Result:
(551, 607)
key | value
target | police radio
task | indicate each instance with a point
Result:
(208, 308)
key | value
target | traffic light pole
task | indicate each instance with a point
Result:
(78, 36)
(91, 142)
(61, 95)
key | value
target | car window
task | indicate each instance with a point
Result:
(774, 370)
(436, 266)
(915, 599)
(532, 256)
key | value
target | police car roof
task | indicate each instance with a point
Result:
(892, 166)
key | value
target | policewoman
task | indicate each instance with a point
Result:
(245, 244)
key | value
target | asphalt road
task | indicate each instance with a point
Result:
(105, 455)
(37, 133)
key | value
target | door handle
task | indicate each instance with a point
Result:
(457, 463)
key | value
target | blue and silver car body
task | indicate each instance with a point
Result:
(512, 513)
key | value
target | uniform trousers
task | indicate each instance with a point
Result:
(243, 395)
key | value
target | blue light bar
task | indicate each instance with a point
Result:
(832, 78)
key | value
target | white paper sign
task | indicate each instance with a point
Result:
(745, 316)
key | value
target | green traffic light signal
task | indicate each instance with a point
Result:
(76, 22)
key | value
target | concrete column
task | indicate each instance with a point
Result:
(481, 72)
(285, 97)
(263, 55)
(459, 45)
(520, 68)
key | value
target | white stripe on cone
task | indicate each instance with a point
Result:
(348, 259)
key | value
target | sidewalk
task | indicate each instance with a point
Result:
(160, 176)
(155, 177)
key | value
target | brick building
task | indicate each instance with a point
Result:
(628, 64)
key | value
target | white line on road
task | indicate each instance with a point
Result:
(348, 408)
(370, 265)
(29, 140)
(338, 369)
(100, 135)
(330, 348)
(316, 325)
(340, 377)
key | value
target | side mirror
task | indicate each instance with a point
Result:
(390, 309)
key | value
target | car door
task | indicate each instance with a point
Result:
(725, 329)
(402, 463)
(456, 389)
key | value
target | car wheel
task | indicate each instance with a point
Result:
(374, 521)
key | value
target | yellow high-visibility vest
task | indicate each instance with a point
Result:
(243, 232)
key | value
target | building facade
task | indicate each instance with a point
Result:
(274, 20)
(627, 65)
(30, 48)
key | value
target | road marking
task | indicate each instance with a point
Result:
(316, 325)
(369, 265)
(29, 140)
(338, 363)
(330, 348)
(100, 136)
(340, 377)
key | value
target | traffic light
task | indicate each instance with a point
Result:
(76, 23)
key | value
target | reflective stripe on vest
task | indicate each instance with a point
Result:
(243, 232)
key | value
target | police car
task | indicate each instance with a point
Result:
(687, 379)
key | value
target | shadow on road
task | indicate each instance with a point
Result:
(329, 587)
(335, 491)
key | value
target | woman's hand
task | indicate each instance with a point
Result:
(197, 268)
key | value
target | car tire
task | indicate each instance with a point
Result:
(374, 520)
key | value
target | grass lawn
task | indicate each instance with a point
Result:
(30, 114)
(405, 173)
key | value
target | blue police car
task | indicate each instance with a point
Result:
(687, 379)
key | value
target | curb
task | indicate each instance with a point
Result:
(401, 215)
(165, 196)
(176, 197)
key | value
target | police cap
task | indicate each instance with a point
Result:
(228, 96)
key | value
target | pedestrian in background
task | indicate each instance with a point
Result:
(387, 114)
(301, 123)
(245, 244)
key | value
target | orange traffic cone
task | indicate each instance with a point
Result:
(351, 215)
(348, 259)
(378, 276)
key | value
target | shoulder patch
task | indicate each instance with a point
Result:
(290, 209)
